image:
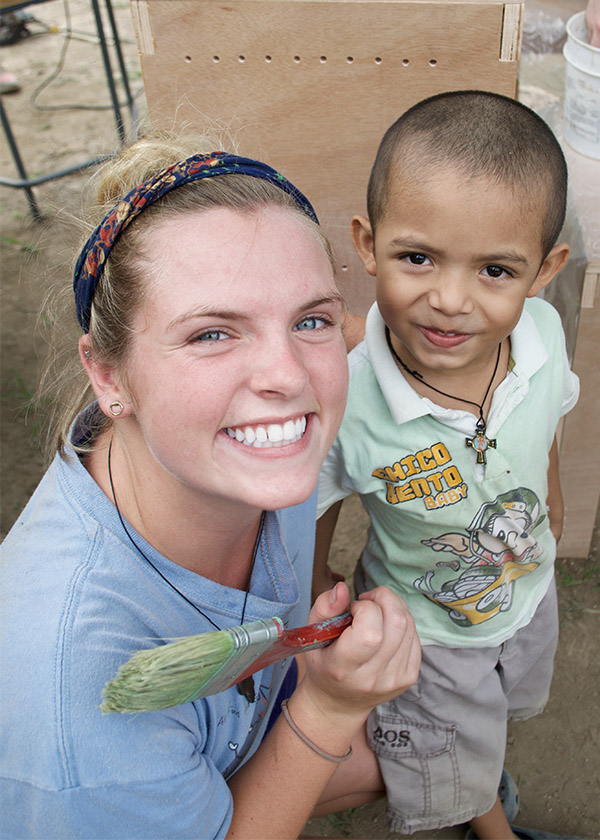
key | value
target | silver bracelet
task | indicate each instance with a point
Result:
(308, 742)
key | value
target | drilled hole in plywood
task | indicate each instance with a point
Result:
(350, 59)
(432, 62)
(323, 59)
(216, 59)
(378, 59)
(241, 58)
(188, 58)
(297, 59)
(405, 62)
(268, 58)
(344, 268)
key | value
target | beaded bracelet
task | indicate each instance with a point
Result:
(308, 742)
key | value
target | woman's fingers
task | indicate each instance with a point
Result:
(333, 602)
(375, 658)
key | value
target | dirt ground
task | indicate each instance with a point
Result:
(555, 757)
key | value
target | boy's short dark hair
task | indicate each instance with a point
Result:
(484, 134)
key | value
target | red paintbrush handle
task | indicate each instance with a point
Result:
(300, 640)
(315, 635)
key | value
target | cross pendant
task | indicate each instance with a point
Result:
(480, 443)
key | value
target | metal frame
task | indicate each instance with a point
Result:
(24, 182)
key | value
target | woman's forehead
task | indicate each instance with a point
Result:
(219, 252)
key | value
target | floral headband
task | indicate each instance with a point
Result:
(94, 254)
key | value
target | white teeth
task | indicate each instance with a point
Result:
(275, 434)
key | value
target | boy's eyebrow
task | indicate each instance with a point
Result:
(507, 256)
(234, 315)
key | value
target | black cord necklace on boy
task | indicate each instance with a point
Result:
(479, 442)
(246, 686)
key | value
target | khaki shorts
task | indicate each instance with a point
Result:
(441, 744)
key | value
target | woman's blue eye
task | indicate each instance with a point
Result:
(212, 335)
(310, 323)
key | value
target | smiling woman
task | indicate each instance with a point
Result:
(211, 382)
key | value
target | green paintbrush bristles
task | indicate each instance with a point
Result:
(169, 674)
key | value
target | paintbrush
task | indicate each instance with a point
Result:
(197, 666)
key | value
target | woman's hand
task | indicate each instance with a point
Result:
(374, 659)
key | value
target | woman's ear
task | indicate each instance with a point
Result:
(554, 262)
(112, 398)
(364, 242)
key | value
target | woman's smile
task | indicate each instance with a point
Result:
(267, 435)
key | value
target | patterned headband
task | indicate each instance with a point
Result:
(94, 254)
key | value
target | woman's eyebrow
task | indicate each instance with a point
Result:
(323, 301)
(234, 315)
(208, 312)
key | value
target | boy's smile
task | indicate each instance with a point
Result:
(455, 258)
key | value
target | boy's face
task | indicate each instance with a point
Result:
(455, 260)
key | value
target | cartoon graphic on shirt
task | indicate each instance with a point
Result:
(497, 549)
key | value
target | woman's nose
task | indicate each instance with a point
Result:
(278, 370)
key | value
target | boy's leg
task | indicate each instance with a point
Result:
(527, 688)
(441, 744)
(525, 669)
(493, 825)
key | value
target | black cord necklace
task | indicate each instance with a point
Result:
(479, 442)
(245, 687)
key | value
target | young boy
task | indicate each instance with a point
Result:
(449, 439)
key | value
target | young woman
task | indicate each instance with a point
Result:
(181, 500)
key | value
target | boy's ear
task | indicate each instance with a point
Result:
(554, 262)
(104, 381)
(364, 242)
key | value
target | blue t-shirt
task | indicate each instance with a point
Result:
(78, 600)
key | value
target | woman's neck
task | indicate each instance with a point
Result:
(208, 535)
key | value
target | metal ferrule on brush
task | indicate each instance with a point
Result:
(250, 641)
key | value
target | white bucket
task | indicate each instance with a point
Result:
(582, 89)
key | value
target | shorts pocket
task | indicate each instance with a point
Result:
(397, 737)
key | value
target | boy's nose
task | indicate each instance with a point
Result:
(451, 294)
(278, 370)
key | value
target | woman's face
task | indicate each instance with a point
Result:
(237, 371)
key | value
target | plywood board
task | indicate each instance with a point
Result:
(310, 86)
(579, 452)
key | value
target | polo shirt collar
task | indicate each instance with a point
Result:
(528, 354)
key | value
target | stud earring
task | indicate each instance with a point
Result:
(116, 408)
(87, 353)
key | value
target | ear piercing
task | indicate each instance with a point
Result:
(116, 408)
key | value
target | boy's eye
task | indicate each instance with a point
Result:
(311, 322)
(496, 271)
(416, 259)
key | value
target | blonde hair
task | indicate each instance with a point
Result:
(119, 293)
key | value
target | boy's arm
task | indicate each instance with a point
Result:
(554, 501)
(323, 577)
